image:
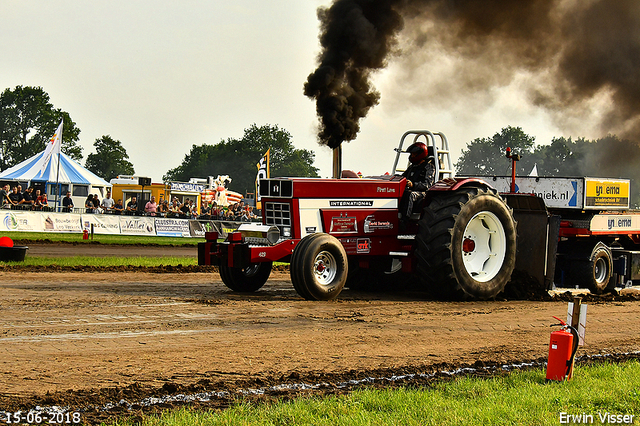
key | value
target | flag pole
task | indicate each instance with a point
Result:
(58, 170)
(58, 180)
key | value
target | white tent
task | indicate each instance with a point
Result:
(72, 176)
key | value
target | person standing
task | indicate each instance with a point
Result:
(132, 206)
(89, 204)
(107, 202)
(151, 207)
(67, 203)
(4, 196)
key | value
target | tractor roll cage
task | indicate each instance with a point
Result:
(438, 141)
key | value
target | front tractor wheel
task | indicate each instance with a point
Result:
(467, 244)
(319, 267)
(246, 280)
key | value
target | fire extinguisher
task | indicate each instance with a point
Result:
(85, 235)
(562, 351)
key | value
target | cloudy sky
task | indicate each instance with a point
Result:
(161, 76)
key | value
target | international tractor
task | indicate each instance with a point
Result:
(463, 241)
(468, 239)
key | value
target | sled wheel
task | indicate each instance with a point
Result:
(466, 244)
(246, 280)
(593, 272)
(319, 267)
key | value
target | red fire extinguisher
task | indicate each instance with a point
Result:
(85, 235)
(562, 351)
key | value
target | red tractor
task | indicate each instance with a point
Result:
(460, 243)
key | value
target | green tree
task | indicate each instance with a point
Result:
(27, 122)
(486, 156)
(110, 159)
(238, 158)
(563, 157)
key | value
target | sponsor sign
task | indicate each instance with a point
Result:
(172, 227)
(20, 221)
(351, 203)
(343, 225)
(225, 228)
(556, 192)
(134, 225)
(606, 193)
(61, 222)
(363, 245)
(102, 224)
(186, 187)
(615, 223)
(371, 224)
(197, 228)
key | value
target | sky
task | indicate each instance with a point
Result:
(161, 76)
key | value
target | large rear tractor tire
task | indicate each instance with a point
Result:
(466, 244)
(319, 267)
(246, 280)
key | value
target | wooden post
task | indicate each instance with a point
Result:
(575, 322)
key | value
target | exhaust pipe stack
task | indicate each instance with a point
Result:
(337, 162)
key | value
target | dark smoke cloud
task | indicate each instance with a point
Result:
(573, 51)
(356, 37)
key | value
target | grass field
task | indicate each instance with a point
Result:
(100, 238)
(521, 398)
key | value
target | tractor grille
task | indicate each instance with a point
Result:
(278, 214)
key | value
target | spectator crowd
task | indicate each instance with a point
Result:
(15, 198)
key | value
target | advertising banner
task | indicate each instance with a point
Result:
(20, 221)
(171, 227)
(61, 222)
(136, 225)
(225, 228)
(102, 224)
(606, 193)
(197, 228)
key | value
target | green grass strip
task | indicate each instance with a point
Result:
(520, 398)
(100, 238)
(106, 261)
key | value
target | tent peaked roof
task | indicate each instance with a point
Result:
(70, 171)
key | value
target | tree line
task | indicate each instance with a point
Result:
(28, 119)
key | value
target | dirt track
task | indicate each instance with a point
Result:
(81, 339)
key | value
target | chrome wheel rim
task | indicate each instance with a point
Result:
(324, 268)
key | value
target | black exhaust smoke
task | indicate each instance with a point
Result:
(356, 37)
(574, 50)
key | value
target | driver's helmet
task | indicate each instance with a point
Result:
(417, 152)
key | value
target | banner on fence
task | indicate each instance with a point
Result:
(102, 224)
(170, 227)
(197, 228)
(137, 225)
(61, 222)
(225, 228)
(20, 221)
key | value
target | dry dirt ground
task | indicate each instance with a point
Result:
(84, 340)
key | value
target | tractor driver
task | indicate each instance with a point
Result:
(420, 176)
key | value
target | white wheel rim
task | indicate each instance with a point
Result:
(324, 268)
(484, 246)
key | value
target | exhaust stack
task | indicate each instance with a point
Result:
(337, 162)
